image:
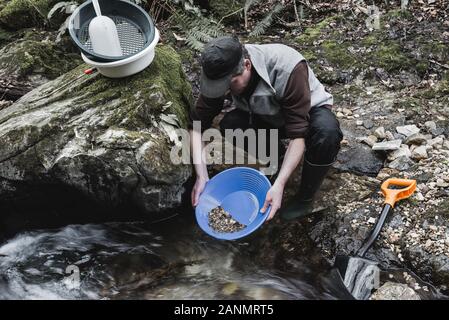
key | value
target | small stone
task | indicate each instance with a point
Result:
(395, 291)
(340, 115)
(359, 123)
(437, 131)
(393, 238)
(346, 111)
(402, 151)
(386, 173)
(380, 132)
(430, 125)
(436, 143)
(399, 136)
(368, 124)
(389, 136)
(221, 221)
(446, 144)
(230, 288)
(441, 183)
(428, 243)
(387, 145)
(416, 138)
(419, 196)
(424, 188)
(419, 153)
(402, 163)
(408, 130)
(371, 220)
(370, 140)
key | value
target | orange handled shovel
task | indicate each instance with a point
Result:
(360, 275)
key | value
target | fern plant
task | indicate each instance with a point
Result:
(267, 21)
(198, 29)
(248, 4)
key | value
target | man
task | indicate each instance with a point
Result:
(271, 86)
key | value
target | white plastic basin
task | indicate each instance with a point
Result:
(129, 66)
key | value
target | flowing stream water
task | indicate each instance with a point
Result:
(138, 260)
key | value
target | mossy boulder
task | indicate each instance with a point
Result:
(33, 60)
(5, 37)
(18, 14)
(107, 138)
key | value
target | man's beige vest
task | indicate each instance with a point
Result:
(274, 64)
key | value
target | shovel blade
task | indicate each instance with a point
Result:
(359, 275)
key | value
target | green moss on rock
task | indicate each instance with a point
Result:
(5, 37)
(397, 14)
(389, 56)
(161, 88)
(32, 56)
(313, 33)
(18, 14)
(337, 54)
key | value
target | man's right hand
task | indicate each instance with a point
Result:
(198, 188)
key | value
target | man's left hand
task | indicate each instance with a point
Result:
(273, 199)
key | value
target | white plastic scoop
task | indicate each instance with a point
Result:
(103, 34)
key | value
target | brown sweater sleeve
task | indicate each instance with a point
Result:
(296, 102)
(205, 110)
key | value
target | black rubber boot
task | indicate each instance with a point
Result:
(302, 204)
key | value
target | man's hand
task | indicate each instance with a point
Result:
(292, 157)
(198, 188)
(273, 199)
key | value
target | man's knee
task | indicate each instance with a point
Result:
(233, 120)
(330, 137)
(323, 141)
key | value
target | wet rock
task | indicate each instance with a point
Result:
(370, 140)
(446, 144)
(424, 177)
(386, 173)
(395, 291)
(419, 196)
(419, 153)
(402, 151)
(442, 184)
(18, 14)
(430, 125)
(368, 123)
(30, 62)
(408, 130)
(380, 133)
(347, 112)
(402, 163)
(389, 136)
(437, 131)
(387, 145)
(360, 159)
(416, 138)
(436, 143)
(399, 136)
(106, 138)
